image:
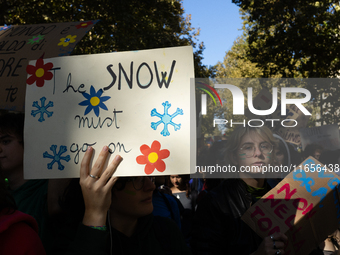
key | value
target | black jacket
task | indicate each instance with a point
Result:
(153, 235)
(217, 226)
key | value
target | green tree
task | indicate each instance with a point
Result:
(299, 34)
(301, 39)
(124, 25)
(236, 63)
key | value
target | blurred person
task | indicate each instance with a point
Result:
(217, 224)
(117, 217)
(282, 152)
(313, 150)
(180, 188)
(164, 203)
(38, 198)
(281, 158)
(214, 156)
(331, 158)
(18, 231)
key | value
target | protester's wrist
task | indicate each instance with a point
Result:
(101, 228)
(94, 219)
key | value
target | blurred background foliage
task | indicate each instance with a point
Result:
(124, 25)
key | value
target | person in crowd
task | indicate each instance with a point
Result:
(118, 214)
(330, 246)
(313, 150)
(331, 158)
(164, 203)
(38, 198)
(213, 157)
(282, 157)
(18, 231)
(180, 188)
(217, 225)
(282, 152)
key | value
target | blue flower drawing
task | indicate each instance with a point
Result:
(94, 101)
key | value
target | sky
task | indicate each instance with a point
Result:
(220, 24)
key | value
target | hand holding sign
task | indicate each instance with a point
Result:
(96, 185)
(273, 244)
(136, 103)
(297, 206)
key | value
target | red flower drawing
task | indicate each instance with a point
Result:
(39, 73)
(152, 157)
(84, 24)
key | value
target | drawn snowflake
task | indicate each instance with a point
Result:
(42, 109)
(57, 156)
(166, 119)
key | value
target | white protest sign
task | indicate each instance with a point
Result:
(326, 136)
(137, 103)
(21, 43)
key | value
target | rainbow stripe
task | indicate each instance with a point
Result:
(206, 89)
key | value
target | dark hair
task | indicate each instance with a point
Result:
(13, 123)
(282, 147)
(310, 149)
(184, 185)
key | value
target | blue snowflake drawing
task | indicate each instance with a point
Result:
(42, 109)
(57, 156)
(166, 119)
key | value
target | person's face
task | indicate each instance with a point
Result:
(255, 162)
(279, 157)
(11, 153)
(134, 203)
(175, 180)
(317, 155)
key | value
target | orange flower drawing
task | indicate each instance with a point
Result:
(40, 73)
(152, 157)
(84, 24)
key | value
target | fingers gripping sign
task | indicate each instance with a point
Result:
(96, 185)
(273, 245)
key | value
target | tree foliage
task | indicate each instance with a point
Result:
(299, 38)
(236, 63)
(124, 24)
(300, 35)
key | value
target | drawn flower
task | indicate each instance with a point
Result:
(65, 41)
(35, 39)
(39, 73)
(94, 101)
(152, 157)
(84, 24)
